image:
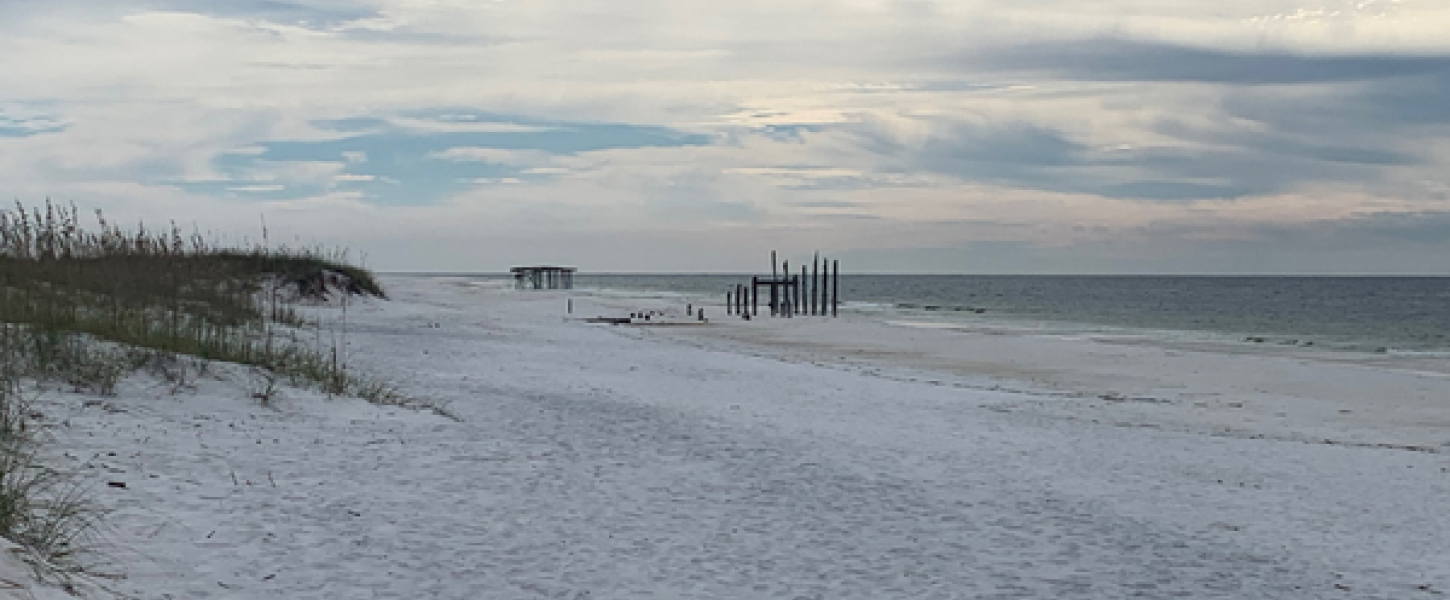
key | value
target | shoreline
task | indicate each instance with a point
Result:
(981, 311)
(616, 462)
(1245, 390)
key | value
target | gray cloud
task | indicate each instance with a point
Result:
(1379, 244)
(1025, 155)
(310, 12)
(313, 13)
(682, 123)
(1279, 120)
(1212, 163)
(1321, 143)
(1382, 114)
(1109, 59)
(26, 127)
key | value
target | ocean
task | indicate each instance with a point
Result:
(1387, 315)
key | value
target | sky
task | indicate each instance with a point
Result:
(921, 136)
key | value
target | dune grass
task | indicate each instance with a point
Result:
(44, 511)
(65, 286)
(85, 307)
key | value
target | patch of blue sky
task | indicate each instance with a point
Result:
(15, 127)
(311, 13)
(789, 132)
(255, 190)
(469, 115)
(354, 124)
(394, 164)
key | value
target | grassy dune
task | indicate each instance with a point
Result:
(85, 307)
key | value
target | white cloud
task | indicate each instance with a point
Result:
(457, 124)
(150, 99)
(493, 155)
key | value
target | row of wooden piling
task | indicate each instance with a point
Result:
(811, 293)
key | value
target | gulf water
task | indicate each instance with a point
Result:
(1389, 315)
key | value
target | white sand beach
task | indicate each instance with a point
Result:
(802, 459)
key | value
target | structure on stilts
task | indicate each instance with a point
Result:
(543, 278)
(811, 293)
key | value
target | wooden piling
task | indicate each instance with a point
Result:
(754, 296)
(787, 303)
(794, 295)
(790, 295)
(774, 300)
(816, 284)
(801, 292)
(835, 286)
(774, 294)
(825, 288)
(825, 293)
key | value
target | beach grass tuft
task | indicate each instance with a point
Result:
(85, 307)
(64, 288)
(44, 511)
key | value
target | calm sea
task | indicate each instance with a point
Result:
(1409, 315)
(1391, 315)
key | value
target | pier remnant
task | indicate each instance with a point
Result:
(543, 278)
(806, 294)
(816, 284)
(835, 286)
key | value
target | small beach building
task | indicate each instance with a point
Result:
(543, 278)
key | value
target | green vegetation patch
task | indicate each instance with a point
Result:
(86, 307)
(166, 292)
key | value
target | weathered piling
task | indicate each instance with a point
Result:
(785, 290)
(755, 297)
(807, 293)
(835, 286)
(774, 293)
(816, 284)
(801, 285)
(823, 268)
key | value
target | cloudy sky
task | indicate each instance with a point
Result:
(973, 136)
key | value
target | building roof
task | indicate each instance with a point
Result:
(543, 268)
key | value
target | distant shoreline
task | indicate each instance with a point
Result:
(1354, 398)
(1394, 318)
